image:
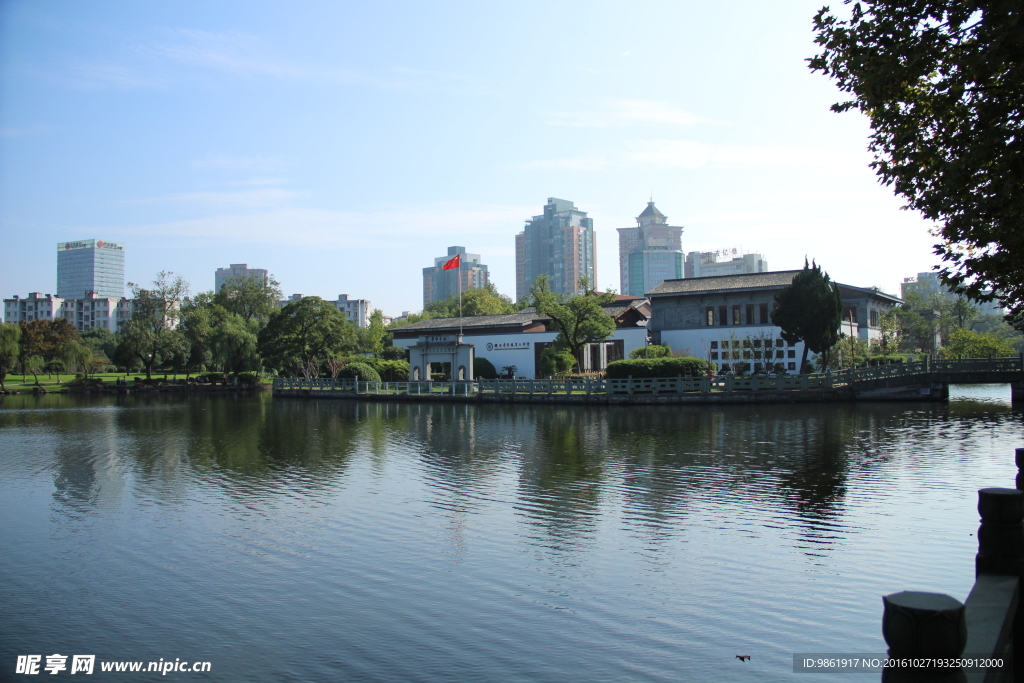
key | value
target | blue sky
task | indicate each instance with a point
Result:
(343, 146)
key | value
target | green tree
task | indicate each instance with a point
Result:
(10, 349)
(651, 351)
(579, 320)
(253, 298)
(304, 334)
(150, 335)
(555, 360)
(942, 82)
(372, 338)
(485, 300)
(56, 334)
(233, 343)
(198, 318)
(809, 310)
(78, 357)
(54, 367)
(101, 340)
(964, 343)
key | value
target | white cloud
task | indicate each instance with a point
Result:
(626, 112)
(240, 199)
(689, 154)
(346, 229)
(237, 163)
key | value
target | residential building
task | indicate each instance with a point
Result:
(927, 284)
(518, 339)
(439, 284)
(558, 243)
(86, 313)
(90, 266)
(356, 310)
(727, 318)
(707, 263)
(237, 270)
(650, 253)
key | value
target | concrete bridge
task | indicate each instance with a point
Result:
(930, 379)
(926, 380)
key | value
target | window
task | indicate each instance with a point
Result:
(757, 343)
(792, 366)
(780, 354)
(714, 355)
(750, 314)
(757, 354)
(723, 315)
(746, 355)
(874, 319)
(714, 345)
(710, 313)
(791, 344)
(792, 353)
(778, 342)
(736, 355)
(764, 314)
(736, 315)
(725, 343)
(746, 343)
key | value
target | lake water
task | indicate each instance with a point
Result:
(304, 540)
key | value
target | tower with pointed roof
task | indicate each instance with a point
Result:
(650, 253)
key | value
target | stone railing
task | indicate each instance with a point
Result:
(352, 386)
(922, 627)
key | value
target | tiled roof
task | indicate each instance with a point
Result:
(651, 210)
(469, 322)
(695, 285)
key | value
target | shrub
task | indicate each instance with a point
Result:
(362, 370)
(249, 379)
(652, 351)
(484, 369)
(391, 370)
(659, 367)
(556, 361)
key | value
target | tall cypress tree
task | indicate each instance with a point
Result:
(810, 310)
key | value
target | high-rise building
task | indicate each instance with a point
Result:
(707, 263)
(650, 253)
(90, 266)
(560, 244)
(439, 284)
(928, 284)
(237, 270)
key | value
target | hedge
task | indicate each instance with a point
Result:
(484, 369)
(659, 367)
(364, 371)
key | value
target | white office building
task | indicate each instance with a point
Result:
(237, 270)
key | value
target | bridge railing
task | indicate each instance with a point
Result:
(655, 385)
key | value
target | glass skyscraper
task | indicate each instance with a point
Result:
(90, 266)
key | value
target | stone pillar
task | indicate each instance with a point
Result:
(1001, 534)
(1017, 392)
(1020, 469)
(916, 624)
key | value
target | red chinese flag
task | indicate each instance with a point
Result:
(452, 263)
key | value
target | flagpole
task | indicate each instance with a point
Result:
(459, 276)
